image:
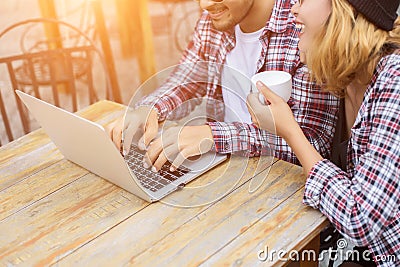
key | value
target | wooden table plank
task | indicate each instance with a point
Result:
(62, 214)
(190, 235)
(35, 151)
(223, 222)
(24, 156)
(38, 186)
(285, 220)
(68, 183)
(65, 220)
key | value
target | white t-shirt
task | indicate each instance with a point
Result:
(240, 65)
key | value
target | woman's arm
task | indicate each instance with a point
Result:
(363, 202)
(277, 118)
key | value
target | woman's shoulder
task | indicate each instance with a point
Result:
(387, 72)
(390, 64)
(384, 88)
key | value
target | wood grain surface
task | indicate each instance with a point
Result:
(54, 212)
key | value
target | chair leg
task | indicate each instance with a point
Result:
(5, 119)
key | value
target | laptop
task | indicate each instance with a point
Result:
(87, 144)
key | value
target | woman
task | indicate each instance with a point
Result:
(352, 48)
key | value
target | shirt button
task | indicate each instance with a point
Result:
(226, 145)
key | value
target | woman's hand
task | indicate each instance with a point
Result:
(177, 144)
(276, 117)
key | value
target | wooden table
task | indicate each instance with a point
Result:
(55, 212)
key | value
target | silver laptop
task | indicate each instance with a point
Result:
(88, 145)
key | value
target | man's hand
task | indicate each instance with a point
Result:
(139, 122)
(177, 144)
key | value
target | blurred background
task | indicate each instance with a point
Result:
(129, 41)
(73, 53)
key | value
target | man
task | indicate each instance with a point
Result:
(244, 35)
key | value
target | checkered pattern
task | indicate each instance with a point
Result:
(364, 202)
(199, 75)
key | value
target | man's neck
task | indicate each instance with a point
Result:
(258, 16)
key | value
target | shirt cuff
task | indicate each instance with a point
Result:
(316, 182)
(223, 135)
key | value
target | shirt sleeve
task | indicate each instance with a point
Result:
(364, 201)
(314, 110)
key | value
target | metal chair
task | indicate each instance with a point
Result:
(5, 119)
(54, 61)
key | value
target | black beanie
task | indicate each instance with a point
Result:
(382, 13)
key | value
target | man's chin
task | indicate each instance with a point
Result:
(223, 25)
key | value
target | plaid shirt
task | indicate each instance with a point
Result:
(199, 73)
(364, 202)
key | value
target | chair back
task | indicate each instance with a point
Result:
(54, 61)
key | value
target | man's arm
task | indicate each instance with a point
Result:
(314, 110)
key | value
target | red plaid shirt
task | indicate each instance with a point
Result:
(198, 77)
(364, 202)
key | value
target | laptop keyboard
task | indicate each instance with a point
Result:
(153, 181)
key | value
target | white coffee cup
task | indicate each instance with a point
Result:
(280, 82)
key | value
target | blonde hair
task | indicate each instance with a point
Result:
(348, 45)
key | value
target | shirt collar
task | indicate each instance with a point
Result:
(280, 16)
